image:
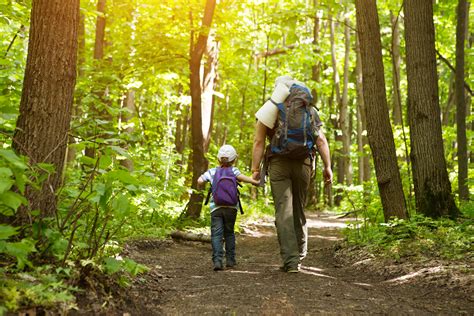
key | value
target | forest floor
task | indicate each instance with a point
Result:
(332, 280)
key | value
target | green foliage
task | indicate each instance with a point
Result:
(42, 286)
(102, 204)
(419, 237)
(125, 268)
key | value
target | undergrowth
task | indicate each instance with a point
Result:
(418, 237)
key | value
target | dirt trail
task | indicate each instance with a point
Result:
(182, 282)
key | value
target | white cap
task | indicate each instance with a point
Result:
(227, 153)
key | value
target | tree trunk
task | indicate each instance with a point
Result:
(100, 30)
(76, 110)
(363, 160)
(396, 61)
(450, 102)
(313, 192)
(344, 115)
(99, 44)
(47, 96)
(378, 120)
(208, 87)
(199, 161)
(461, 101)
(129, 105)
(339, 160)
(432, 187)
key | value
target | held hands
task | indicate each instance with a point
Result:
(256, 175)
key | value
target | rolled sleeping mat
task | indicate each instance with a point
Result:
(280, 93)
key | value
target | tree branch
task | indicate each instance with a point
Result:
(22, 27)
(442, 58)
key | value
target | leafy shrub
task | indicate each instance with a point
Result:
(418, 236)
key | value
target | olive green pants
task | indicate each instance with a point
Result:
(289, 181)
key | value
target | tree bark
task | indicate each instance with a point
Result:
(432, 187)
(362, 141)
(100, 30)
(339, 160)
(378, 120)
(461, 101)
(396, 61)
(47, 96)
(99, 45)
(312, 198)
(344, 114)
(199, 161)
(81, 58)
(129, 105)
(208, 87)
(449, 103)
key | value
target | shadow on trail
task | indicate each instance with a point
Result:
(181, 280)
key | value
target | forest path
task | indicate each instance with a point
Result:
(182, 282)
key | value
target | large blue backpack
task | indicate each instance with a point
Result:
(296, 131)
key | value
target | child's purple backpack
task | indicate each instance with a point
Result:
(224, 187)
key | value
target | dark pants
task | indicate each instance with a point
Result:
(289, 180)
(222, 227)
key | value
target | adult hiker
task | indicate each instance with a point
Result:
(292, 125)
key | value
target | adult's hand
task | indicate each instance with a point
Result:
(327, 174)
(256, 175)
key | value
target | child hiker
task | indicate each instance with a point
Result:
(224, 204)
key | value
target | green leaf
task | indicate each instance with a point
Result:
(5, 172)
(105, 162)
(121, 205)
(112, 265)
(19, 250)
(5, 185)
(133, 267)
(20, 179)
(12, 158)
(12, 199)
(6, 231)
(123, 176)
(87, 160)
(120, 151)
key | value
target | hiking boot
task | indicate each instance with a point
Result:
(218, 266)
(289, 269)
(230, 264)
